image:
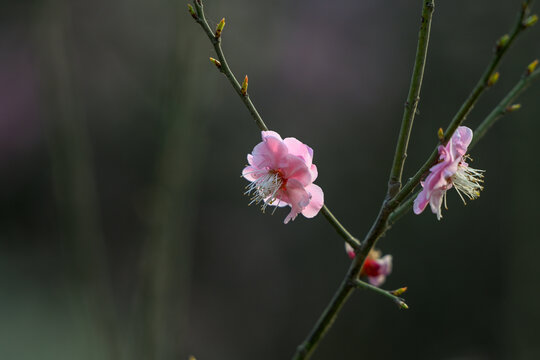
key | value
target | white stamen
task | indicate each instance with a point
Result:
(467, 181)
(265, 188)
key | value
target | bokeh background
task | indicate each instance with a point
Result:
(124, 231)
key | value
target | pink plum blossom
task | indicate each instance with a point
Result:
(282, 173)
(450, 171)
(375, 268)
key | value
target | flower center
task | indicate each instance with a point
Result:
(265, 187)
(468, 181)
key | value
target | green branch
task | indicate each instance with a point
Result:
(393, 295)
(241, 90)
(486, 80)
(504, 107)
(223, 66)
(394, 183)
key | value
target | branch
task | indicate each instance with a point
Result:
(503, 108)
(351, 240)
(394, 183)
(222, 64)
(393, 295)
(486, 80)
(241, 90)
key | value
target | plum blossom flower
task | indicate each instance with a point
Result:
(282, 173)
(375, 268)
(452, 170)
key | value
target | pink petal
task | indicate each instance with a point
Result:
(297, 197)
(295, 168)
(435, 202)
(296, 147)
(316, 202)
(461, 139)
(271, 153)
(420, 202)
(250, 173)
(377, 280)
(386, 264)
(349, 250)
(270, 133)
(314, 172)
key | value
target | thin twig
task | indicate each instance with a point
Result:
(394, 183)
(380, 226)
(389, 294)
(503, 106)
(501, 48)
(223, 66)
(500, 110)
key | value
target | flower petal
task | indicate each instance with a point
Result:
(314, 172)
(296, 147)
(250, 173)
(297, 197)
(316, 202)
(349, 250)
(421, 202)
(271, 153)
(461, 139)
(270, 133)
(294, 167)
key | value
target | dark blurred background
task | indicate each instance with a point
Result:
(124, 231)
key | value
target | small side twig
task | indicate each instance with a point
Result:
(393, 295)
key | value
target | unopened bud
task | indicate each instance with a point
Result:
(402, 304)
(244, 88)
(530, 21)
(399, 291)
(440, 134)
(532, 66)
(219, 28)
(192, 12)
(502, 42)
(513, 107)
(216, 62)
(191, 357)
(493, 79)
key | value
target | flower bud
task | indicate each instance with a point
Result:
(192, 12)
(530, 21)
(502, 42)
(244, 88)
(532, 66)
(402, 304)
(399, 291)
(440, 134)
(216, 62)
(219, 28)
(513, 107)
(493, 79)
